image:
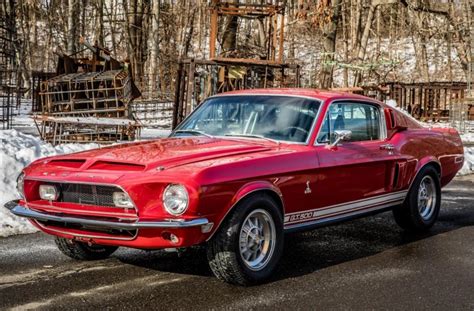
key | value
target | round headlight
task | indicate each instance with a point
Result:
(175, 199)
(20, 181)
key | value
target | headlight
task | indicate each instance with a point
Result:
(175, 199)
(20, 182)
(48, 192)
(121, 199)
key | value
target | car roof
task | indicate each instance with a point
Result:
(314, 93)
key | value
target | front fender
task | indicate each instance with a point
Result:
(243, 192)
(253, 187)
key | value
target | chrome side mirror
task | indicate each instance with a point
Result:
(341, 135)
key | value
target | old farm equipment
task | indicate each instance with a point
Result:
(233, 65)
(433, 101)
(88, 101)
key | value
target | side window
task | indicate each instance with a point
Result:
(363, 120)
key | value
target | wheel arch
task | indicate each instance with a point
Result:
(430, 161)
(247, 190)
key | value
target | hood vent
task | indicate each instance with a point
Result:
(116, 166)
(71, 163)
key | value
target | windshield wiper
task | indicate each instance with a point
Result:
(194, 132)
(254, 136)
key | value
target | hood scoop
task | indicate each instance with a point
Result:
(69, 163)
(116, 166)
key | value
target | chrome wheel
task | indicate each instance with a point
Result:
(426, 197)
(257, 239)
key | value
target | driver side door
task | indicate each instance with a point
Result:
(355, 175)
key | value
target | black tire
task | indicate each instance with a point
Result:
(223, 250)
(408, 215)
(82, 251)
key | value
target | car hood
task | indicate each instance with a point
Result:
(170, 152)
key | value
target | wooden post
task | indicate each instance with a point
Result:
(282, 34)
(213, 33)
(190, 88)
(177, 100)
(273, 51)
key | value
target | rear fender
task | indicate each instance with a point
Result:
(429, 160)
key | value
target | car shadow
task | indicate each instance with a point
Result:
(307, 252)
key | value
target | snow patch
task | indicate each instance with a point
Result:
(17, 150)
(468, 167)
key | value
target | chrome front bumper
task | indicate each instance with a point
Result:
(22, 211)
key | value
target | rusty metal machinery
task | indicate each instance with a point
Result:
(199, 79)
(271, 16)
(239, 68)
(88, 101)
(58, 130)
(434, 101)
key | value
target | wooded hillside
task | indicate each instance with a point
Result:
(337, 42)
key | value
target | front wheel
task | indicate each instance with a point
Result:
(248, 245)
(82, 251)
(420, 210)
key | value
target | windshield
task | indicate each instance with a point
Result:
(281, 118)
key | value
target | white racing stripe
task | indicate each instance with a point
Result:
(341, 210)
(329, 219)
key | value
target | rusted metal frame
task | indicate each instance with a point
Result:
(239, 62)
(213, 33)
(190, 88)
(182, 95)
(244, 9)
(54, 133)
(79, 91)
(247, 62)
(88, 111)
(265, 79)
(176, 95)
(274, 21)
(298, 76)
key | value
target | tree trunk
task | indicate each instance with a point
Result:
(99, 29)
(229, 38)
(362, 48)
(72, 18)
(155, 46)
(329, 45)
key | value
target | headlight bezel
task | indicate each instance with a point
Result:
(175, 190)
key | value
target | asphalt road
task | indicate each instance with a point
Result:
(364, 264)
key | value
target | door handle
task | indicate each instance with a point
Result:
(388, 147)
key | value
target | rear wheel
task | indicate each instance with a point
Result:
(249, 243)
(420, 210)
(83, 251)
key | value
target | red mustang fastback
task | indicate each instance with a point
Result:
(243, 169)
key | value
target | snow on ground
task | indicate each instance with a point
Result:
(16, 151)
(468, 167)
(154, 133)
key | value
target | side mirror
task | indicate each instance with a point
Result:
(341, 135)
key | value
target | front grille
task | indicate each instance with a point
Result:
(97, 195)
